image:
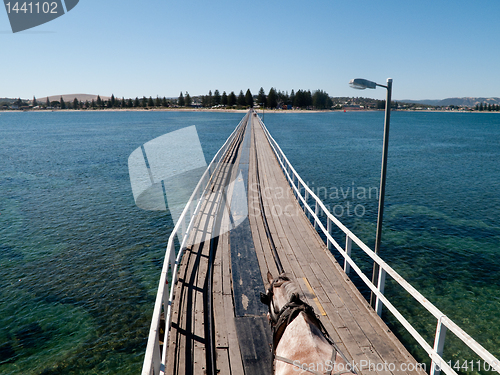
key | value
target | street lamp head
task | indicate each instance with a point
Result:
(361, 84)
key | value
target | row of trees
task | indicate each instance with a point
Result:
(487, 107)
(273, 99)
(300, 99)
(231, 100)
(100, 103)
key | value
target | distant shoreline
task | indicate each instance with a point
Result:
(218, 110)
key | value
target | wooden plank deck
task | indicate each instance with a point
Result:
(358, 331)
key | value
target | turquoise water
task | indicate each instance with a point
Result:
(80, 263)
(442, 218)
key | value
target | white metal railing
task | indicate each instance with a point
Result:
(154, 361)
(443, 322)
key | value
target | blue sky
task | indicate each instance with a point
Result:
(431, 49)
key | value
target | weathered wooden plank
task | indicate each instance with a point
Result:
(261, 243)
(279, 236)
(226, 264)
(177, 316)
(220, 327)
(218, 303)
(184, 340)
(255, 341)
(223, 366)
(234, 346)
(199, 345)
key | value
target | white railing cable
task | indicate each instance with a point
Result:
(444, 323)
(154, 361)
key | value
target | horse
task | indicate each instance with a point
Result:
(301, 343)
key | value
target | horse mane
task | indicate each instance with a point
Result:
(291, 289)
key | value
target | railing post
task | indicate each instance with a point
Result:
(329, 230)
(156, 356)
(438, 346)
(306, 204)
(192, 205)
(380, 287)
(348, 245)
(316, 217)
(183, 226)
(172, 259)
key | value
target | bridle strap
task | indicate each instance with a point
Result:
(285, 316)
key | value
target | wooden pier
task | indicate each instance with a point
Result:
(219, 326)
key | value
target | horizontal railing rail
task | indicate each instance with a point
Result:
(443, 322)
(154, 360)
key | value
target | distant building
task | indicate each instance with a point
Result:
(353, 107)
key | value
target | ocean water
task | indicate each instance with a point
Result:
(442, 210)
(80, 263)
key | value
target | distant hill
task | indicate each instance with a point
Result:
(469, 102)
(465, 102)
(423, 101)
(71, 97)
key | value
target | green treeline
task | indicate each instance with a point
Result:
(487, 107)
(273, 99)
(98, 103)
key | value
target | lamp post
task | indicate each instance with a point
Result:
(378, 276)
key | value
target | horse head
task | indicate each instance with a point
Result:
(316, 346)
(281, 291)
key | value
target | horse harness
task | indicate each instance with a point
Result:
(285, 316)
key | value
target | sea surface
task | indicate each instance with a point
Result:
(80, 262)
